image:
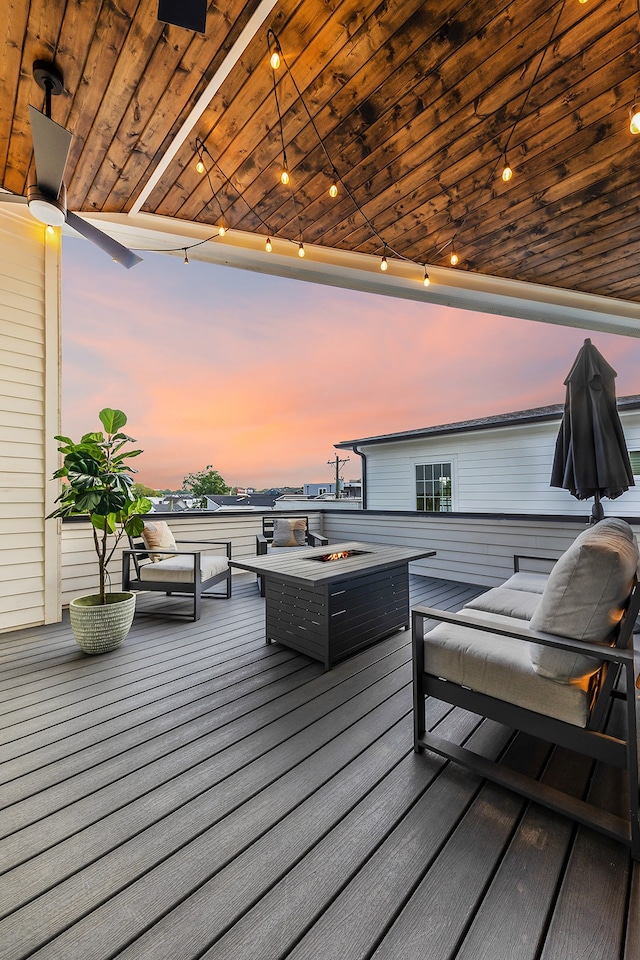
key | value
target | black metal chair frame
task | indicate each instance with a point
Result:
(265, 538)
(199, 589)
(619, 662)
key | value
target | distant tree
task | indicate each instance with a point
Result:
(142, 490)
(203, 482)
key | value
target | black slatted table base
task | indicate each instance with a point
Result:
(332, 621)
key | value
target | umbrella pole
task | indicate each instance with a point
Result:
(597, 513)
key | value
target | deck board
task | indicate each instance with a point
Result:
(198, 793)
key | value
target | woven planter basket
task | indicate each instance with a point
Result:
(98, 627)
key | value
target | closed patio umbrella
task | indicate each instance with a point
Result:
(591, 458)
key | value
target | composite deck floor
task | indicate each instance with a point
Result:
(197, 793)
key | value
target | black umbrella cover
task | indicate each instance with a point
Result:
(591, 458)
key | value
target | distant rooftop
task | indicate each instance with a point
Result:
(534, 415)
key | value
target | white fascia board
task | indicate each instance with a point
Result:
(357, 271)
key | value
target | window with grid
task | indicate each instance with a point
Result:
(433, 487)
(634, 458)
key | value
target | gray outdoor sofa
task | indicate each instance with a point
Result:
(546, 655)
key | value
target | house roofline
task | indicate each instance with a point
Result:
(516, 418)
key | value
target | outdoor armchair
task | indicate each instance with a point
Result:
(553, 676)
(286, 533)
(160, 563)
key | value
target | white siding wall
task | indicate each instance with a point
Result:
(468, 549)
(502, 470)
(29, 418)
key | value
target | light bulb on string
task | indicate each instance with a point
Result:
(426, 280)
(634, 121)
(222, 230)
(454, 259)
(284, 175)
(200, 166)
(333, 190)
(507, 172)
(301, 249)
(268, 245)
(383, 263)
(186, 258)
(275, 58)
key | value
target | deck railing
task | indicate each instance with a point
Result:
(471, 548)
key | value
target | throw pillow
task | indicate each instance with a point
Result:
(158, 536)
(289, 533)
(585, 597)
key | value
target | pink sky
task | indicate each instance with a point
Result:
(260, 376)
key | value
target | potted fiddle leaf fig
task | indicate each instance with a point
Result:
(97, 482)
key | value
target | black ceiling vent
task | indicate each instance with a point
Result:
(190, 14)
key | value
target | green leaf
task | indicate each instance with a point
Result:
(112, 420)
(134, 525)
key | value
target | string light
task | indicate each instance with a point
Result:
(284, 174)
(454, 259)
(301, 249)
(426, 280)
(275, 59)
(186, 258)
(333, 190)
(634, 114)
(200, 167)
(383, 263)
(268, 245)
(222, 230)
(507, 172)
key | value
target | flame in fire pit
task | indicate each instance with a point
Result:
(339, 555)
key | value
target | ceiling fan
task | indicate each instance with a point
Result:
(47, 198)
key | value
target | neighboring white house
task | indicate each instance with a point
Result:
(498, 464)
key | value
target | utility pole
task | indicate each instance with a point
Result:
(338, 463)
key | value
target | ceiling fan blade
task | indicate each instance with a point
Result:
(12, 198)
(51, 144)
(115, 250)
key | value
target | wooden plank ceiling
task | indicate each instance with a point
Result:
(415, 103)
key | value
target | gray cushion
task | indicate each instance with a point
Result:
(508, 603)
(179, 569)
(585, 597)
(501, 667)
(528, 581)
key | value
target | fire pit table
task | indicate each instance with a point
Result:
(328, 602)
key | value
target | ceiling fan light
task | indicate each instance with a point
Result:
(50, 212)
(634, 123)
